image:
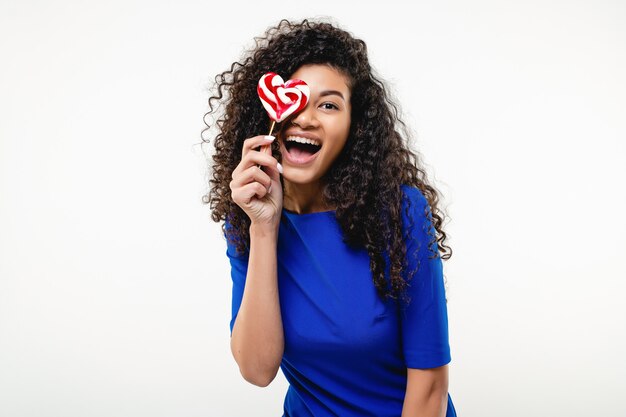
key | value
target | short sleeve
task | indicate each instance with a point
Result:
(424, 322)
(238, 272)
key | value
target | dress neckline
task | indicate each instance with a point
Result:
(319, 213)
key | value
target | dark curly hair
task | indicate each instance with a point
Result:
(364, 181)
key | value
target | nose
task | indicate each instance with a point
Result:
(305, 117)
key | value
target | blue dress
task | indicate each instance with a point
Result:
(346, 351)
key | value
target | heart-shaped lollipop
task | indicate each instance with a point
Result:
(282, 99)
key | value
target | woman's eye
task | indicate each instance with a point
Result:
(330, 104)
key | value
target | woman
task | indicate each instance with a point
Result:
(337, 277)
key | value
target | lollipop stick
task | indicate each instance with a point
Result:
(264, 148)
(272, 127)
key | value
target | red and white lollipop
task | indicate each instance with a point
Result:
(282, 99)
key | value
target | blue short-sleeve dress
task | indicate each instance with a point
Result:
(346, 351)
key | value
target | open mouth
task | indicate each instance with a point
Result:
(301, 150)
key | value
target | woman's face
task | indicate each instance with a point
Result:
(326, 119)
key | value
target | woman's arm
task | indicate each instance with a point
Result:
(257, 340)
(426, 392)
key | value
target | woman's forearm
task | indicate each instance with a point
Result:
(433, 405)
(426, 392)
(257, 342)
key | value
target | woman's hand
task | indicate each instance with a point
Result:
(258, 193)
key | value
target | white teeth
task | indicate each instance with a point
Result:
(303, 140)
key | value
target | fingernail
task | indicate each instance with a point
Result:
(269, 190)
(270, 138)
(280, 168)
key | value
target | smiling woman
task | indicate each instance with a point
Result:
(336, 244)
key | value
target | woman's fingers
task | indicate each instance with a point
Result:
(243, 194)
(251, 174)
(256, 158)
(252, 187)
(254, 142)
(249, 168)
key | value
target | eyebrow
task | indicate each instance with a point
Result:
(332, 92)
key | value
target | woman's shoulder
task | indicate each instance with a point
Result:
(419, 220)
(414, 195)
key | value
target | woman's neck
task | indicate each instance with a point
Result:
(304, 198)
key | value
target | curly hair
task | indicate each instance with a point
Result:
(364, 182)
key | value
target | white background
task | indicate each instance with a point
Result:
(115, 288)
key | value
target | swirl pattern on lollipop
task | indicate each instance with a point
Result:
(282, 99)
